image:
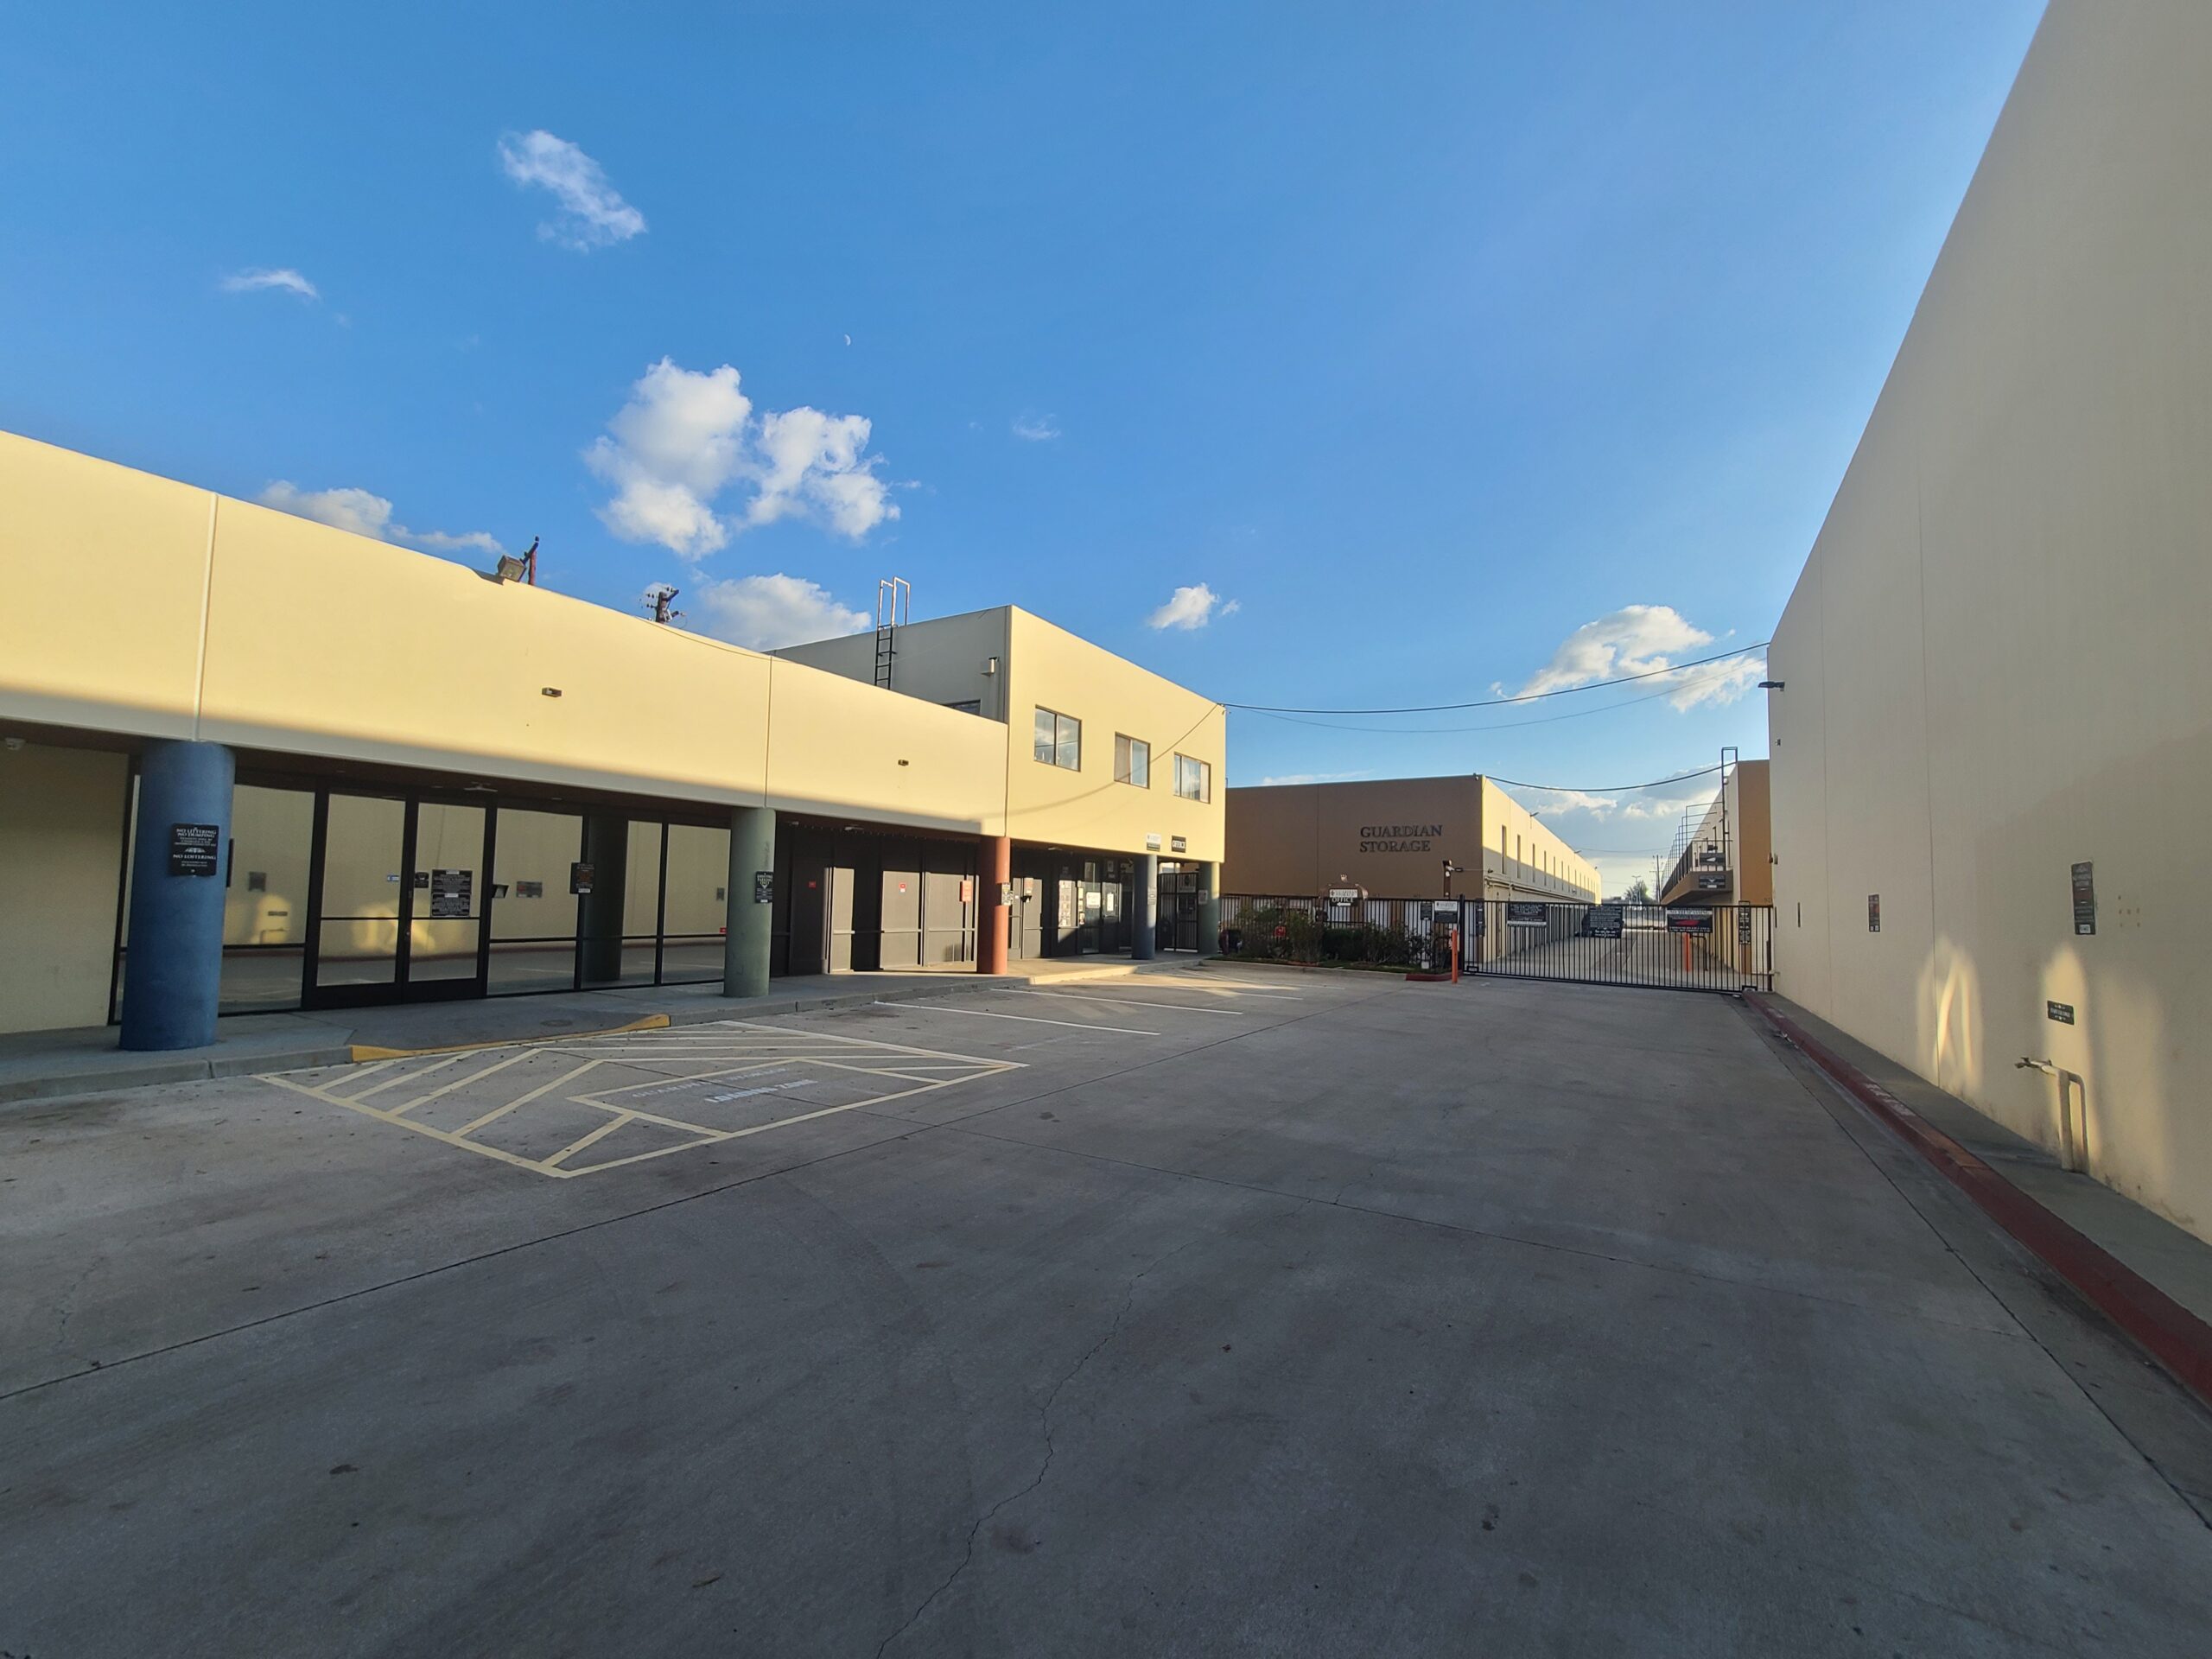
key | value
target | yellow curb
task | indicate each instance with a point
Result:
(365, 1051)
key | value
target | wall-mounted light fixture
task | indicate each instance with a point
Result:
(548, 691)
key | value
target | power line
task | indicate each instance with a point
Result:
(1492, 703)
(1604, 789)
(1508, 724)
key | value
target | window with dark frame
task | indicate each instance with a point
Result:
(1058, 740)
(1132, 761)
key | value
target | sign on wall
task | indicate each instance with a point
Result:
(451, 894)
(1873, 913)
(2085, 901)
(1689, 921)
(1400, 837)
(763, 886)
(195, 849)
(1604, 922)
(1520, 914)
(579, 879)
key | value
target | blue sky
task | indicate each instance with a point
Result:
(1429, 336)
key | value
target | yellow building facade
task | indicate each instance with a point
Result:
(445, 784)
(1991, 745)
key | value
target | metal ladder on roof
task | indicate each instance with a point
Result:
(894, 605)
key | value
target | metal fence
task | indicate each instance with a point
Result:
(1727, 948)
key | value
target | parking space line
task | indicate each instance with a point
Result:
(591, 1139)
(401, 1075)
(1026, 1020)
(523, 1099)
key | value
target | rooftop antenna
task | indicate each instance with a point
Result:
(894, 605)
(659, 597)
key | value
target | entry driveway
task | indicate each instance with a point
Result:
(1216, 1313)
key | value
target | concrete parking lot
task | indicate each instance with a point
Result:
(1220, 1312)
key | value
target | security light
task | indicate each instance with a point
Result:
(1771, 685)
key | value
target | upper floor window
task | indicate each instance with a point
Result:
(1194, 779)
(966, 706)
(1060, 740)
(1132, 761)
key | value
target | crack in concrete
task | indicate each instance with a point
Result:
(1052, 1450)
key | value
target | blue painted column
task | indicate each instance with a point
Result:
(1144, 944)
(1210, 910)
(749, 923)
(173, 975)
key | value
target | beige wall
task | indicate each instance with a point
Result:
(1994, 662)
(60, 854)
(1522, 857)
(1049, 666)
(941, 659)
(1392, 837)
(234, 623)
(1741, 818)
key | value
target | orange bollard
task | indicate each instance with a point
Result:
(1685, 953)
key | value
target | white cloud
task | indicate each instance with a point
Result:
(1289, 778)
(1558, 801)
(1720, 683)
(363, 514)
(810, 464)
(1644, 639)
(283, 278)
(688, 435)
(765, 612)
(593, 213)
(1035, 428)
(1190, 608)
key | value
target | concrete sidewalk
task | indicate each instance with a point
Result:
(2175, 1261)
(50, 1064)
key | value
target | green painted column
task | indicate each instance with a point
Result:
(607, 850)
(751, 918)
(1144, 906)
(1210, 910)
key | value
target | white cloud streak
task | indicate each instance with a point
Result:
(362, 514)
(1190, 608)
(1035, 428)
(1645, 639)
(592, 212)
(765, 612)
(282, 279)
(686, 435)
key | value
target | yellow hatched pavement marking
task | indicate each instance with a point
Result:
(744, 1048)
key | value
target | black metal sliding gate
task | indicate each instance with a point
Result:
(1728, 948)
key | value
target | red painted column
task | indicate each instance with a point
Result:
(993, 869)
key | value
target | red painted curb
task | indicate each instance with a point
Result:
(2173, 1335)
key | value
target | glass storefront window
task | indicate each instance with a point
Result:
(265, 903)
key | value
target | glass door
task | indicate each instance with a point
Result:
(397, 901)
(360, 891)
(446, 883)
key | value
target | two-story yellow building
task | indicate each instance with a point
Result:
(248, 761)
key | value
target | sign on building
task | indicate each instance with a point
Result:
(452, 895)
(195, 849)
